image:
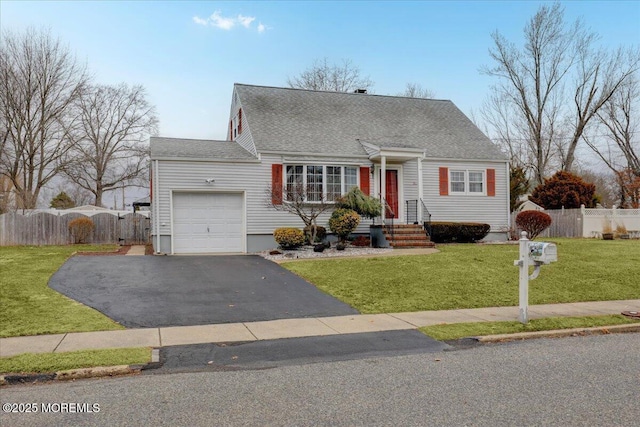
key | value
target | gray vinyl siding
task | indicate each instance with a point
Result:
(410, 180)
(467, 208)
(252, 178)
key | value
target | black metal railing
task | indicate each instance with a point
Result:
(426, 218)
(388, 211)
(411, 211)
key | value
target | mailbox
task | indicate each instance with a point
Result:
(543, 253)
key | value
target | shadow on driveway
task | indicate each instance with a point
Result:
(158, 291)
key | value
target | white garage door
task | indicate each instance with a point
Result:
(208, 222)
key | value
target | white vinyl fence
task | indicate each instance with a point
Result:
(595, 221)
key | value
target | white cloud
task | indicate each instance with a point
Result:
(200, 21)
(227, 23)
(217, 20)
(246, 21)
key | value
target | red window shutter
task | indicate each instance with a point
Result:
(444, 181)
(365, 184)
(231, 130)
(239, 121)
(276, 184)
(491, 182)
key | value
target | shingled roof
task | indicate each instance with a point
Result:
(334, 123)
(173, 148)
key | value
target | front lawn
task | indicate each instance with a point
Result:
(461, 330)
(477, 275)
(29, 307)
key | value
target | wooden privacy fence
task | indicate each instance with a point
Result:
(564, 223)
(48, 229)
(589, 222)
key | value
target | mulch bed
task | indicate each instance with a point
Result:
(122, 250)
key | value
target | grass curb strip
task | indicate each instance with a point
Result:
(558, 333)
(71, 374)
(81, 373)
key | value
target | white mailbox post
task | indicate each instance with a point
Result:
(536, 254)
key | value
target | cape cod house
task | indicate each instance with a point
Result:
(420, 156)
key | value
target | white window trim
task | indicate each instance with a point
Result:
(343, 175)
(467, 186)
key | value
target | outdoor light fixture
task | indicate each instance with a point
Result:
(209, 180)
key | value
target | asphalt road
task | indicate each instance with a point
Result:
(575, 381)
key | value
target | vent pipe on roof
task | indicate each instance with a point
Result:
(360, 91)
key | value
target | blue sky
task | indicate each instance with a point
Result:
(189, 54)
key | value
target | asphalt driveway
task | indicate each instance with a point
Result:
(158, 291)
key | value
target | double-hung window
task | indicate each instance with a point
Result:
(317, 183)
(466, 181)
(295, 181)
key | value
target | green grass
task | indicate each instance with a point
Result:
(29, 307)
(462, 330)
(52, 362)
(472, 275)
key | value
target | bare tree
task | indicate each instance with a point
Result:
(415, 90)
(619, 121)
(110, 149)
(301, 201)
(556, 83)
(601, 75)
(39, 81)
(343, 77)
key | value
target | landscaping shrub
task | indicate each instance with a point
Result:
(533, 222)
(343, 222)
(321, 233)
(460, 232)
(363, 204)
(289, 238)
(81, 229)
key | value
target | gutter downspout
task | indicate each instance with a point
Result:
(420, 191)
(508, 171)
(156, 206)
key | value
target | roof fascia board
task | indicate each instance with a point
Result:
(200, 159)
(309, 154)
(460, 160)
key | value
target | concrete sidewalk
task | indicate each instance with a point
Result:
(295, 328)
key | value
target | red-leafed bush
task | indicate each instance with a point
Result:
(81, 229)
(361, 241)
(533, 222)
(564, 189)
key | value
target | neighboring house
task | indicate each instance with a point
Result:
(528, 205)
(213, 196)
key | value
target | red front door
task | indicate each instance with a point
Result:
(391, 189)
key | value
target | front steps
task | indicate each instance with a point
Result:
(407, 236)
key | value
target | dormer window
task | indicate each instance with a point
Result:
(235, 127)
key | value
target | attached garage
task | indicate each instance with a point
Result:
(208, 222)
